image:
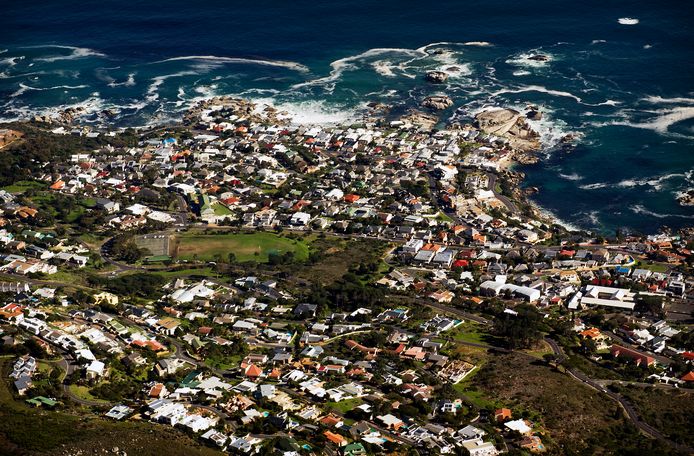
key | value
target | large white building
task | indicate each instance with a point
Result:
(620, 298)
(495, 288)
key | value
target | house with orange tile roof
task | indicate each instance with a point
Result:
(158, 390)
(595, 335)
(351, 198)
(331, 421)
(502, 414)
(58, 185)
(337, 439)
(253, 371)
(12, 312)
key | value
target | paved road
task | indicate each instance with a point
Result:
(445, 308)
(69, 365)
(507, 202)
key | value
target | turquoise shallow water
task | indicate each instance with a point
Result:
(619, 74)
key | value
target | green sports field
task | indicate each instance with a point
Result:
(246, 246)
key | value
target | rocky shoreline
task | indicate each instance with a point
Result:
(686, 198)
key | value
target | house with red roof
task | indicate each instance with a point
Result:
(639, 358)
(253, 371)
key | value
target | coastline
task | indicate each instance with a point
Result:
(533, 150)
(376, 115)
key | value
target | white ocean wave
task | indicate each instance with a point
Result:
(606, 103)
(88, 106)
(129, 82)
(456, 70)
(312, 112)
(664, 119)
(628, 21)
(656, 99)
(213, 58)
(478, 43)
(338, 67)
(641, 209)
(384, 68)
(593, 218)
(594, 186)
(598, 41)
(426, 47)
(153, 89)
(546, 213)
(11, 61)
(25, 88)
(206, 91)
(535, 88)
(656, 182)
(555, 93)
(571, 177)
(77, 53)
(522, 73)
(527, 60)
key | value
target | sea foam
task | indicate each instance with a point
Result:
(239, 60)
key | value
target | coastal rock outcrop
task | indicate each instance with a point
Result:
(511, 125)
(686, 198)
(70, 114)
(539, 58)
(436, 77)
(421, 119)
(246, 109)
(533, 113)
(526, 158)
(437, 102)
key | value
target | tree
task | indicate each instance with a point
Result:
(521, 330)
(649, 304)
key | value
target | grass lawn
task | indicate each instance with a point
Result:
(344, 406)
(468, 332)
(541, 350)
(246, 246)
(92, 240)
(655, 267)
(22, 186)
(224, 362)
(44, 367)
(83, 393)
(476, 397)
(69, 278)
(443, 217)
(220, 209)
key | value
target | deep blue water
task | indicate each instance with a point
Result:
(626, 88)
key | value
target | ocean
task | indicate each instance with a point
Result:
(619, 74)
